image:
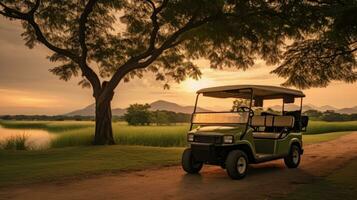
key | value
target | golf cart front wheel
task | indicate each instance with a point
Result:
(293, 159)
(237, 164)
(189, 164)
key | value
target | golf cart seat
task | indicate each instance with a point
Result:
(269, 121)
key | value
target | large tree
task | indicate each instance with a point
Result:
(109, 41)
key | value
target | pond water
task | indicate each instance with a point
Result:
(35, 138)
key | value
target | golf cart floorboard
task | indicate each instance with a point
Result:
(267, 157)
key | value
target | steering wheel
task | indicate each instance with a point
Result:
(246, 109)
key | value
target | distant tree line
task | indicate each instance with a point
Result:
(140, 114)
(53, 117)
(330, 115)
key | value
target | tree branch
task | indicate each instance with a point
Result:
(155, 30)
(80, 60)
(29, 17)
(134, 63)
(87, 71)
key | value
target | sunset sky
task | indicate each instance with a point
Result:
(26, 86)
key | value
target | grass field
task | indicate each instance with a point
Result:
(74, 133)
(18, 167)
(340, 185)
(51, 126)
(317, 127)
(310, 139)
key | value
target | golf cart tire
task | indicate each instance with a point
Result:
(188, 163)
(289, 160)
(231, 164)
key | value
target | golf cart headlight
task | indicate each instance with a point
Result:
(228, 139)
(190, 137)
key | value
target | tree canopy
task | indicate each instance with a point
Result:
(326, 54)
(123, 39)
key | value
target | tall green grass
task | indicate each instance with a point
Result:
(73, 133)
(161, 136)
(16, 142)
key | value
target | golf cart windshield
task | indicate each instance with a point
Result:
(214, 110)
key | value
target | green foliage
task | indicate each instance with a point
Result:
(327, 54)
(138, 114)
(330, 116)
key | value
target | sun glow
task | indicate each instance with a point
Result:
(194, 85)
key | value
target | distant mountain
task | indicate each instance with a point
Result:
(319, 108)
(169, 106)
(157, 105)
(87, 111)
(90, 111)
(347, 110)
(327, 107)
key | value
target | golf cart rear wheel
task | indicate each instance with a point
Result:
(189, 164)
(237, 164)
(293, 159)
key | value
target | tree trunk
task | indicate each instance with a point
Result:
(103, 121)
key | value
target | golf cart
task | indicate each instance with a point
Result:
(235, 138)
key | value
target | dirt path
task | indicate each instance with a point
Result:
(264, 181)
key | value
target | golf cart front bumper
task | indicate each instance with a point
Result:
(209, 153)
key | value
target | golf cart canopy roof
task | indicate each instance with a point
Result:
(244, 91)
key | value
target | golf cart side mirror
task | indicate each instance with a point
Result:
(258, 102)
(289, 99)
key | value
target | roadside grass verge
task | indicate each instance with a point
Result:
(340, 185)
(317, 127)
(324, 137)
(19, 167)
